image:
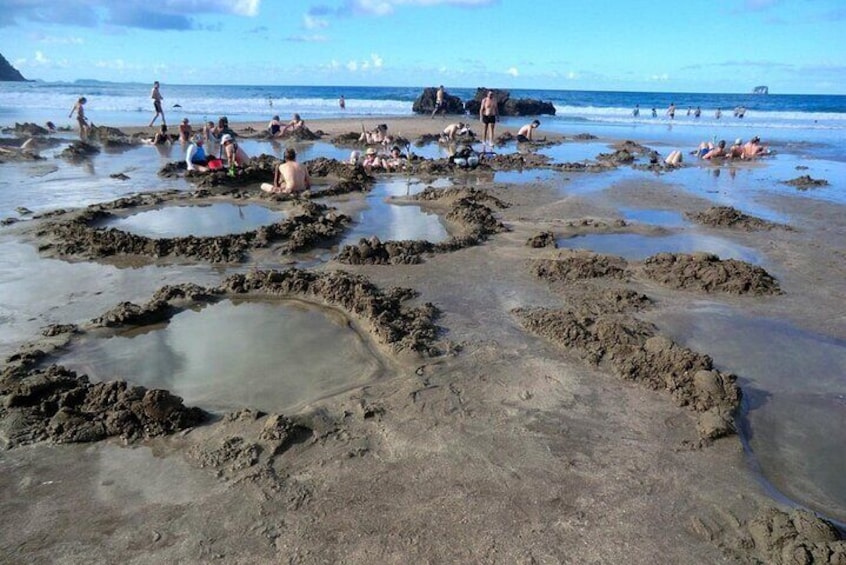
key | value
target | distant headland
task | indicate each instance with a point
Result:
(761, 90)
(8, 72)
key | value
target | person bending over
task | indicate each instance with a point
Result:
(525, 133)
(234, 155)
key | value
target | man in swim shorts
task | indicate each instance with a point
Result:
(157, 104)
(525, 133)
(487, 115)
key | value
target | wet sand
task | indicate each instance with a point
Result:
(535, 404)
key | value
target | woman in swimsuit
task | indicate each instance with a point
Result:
(79, 108)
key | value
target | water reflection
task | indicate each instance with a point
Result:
(526, 176)
(637, 247)
(662, 218)
(270, 356)
(396, 222)
(794, 384)
(201, 220)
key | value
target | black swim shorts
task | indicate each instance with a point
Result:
(488, 119)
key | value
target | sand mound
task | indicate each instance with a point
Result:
(578, 265)
(709, 273)
(728, 217)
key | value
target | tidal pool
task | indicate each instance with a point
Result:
(794, 398)
(575, 151)
(199, 220)
(653, 217)
(396, 222)
(637, 247)
(526, 176)
(273, 356)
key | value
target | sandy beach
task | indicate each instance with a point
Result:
(547, 359)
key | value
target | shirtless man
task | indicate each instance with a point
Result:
(290, 177)
(753, 148)
(157, 104)
(487, 115)
(716, 152)
(439, 101)
(525, 133)
(453, 130)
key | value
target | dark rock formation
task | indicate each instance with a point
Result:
(425, 103)
(508, 106)
(8, 72)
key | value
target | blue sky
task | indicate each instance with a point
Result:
(793, 46)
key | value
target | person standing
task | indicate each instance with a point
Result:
(157, 104)
(342, 103)
(671, 111)
(79, 108)
(439, 101)
(487, 115)
(636, 111)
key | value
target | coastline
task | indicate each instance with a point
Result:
(510, 447)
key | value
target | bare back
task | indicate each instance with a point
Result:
(294, 177)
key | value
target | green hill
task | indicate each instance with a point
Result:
(8, 72)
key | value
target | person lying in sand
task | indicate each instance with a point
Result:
(753, 148)
(289, 177)
(716, 152)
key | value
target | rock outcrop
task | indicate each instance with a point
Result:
(510, 106)
(8, 72)
(425, 103)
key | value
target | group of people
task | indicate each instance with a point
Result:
(374, 160)
(277, 129)
(739, 112)
(708, 151)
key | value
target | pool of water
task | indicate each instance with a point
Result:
(794, 388)
(274, 356)
(526, 176)
(394, 221)
(198, 220)
(637, 247)
(653, 217)
(575, 151)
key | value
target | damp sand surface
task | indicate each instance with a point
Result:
(271, 356)
(505, 425)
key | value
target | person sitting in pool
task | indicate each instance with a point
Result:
(185, 131)
(373, 161)
(525, 133)
(195, 157)
(289, 177)
(753, 148)
(161, 137)
(296, 124)
(377, 135)
(232, 152)
(274, 127)
(395, 160)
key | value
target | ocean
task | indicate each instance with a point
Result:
(817, 121)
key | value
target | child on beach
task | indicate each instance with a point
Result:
(185, 131)
(196, 158)
(525, 133)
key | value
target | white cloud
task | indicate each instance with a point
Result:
(660, 78)
(41, 59)
(241, 7)
(376, 60)
(310, 22)
(572, 75)
(352, 66)
(385, 7)
(513, 71)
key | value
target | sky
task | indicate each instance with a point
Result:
(792, 46)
